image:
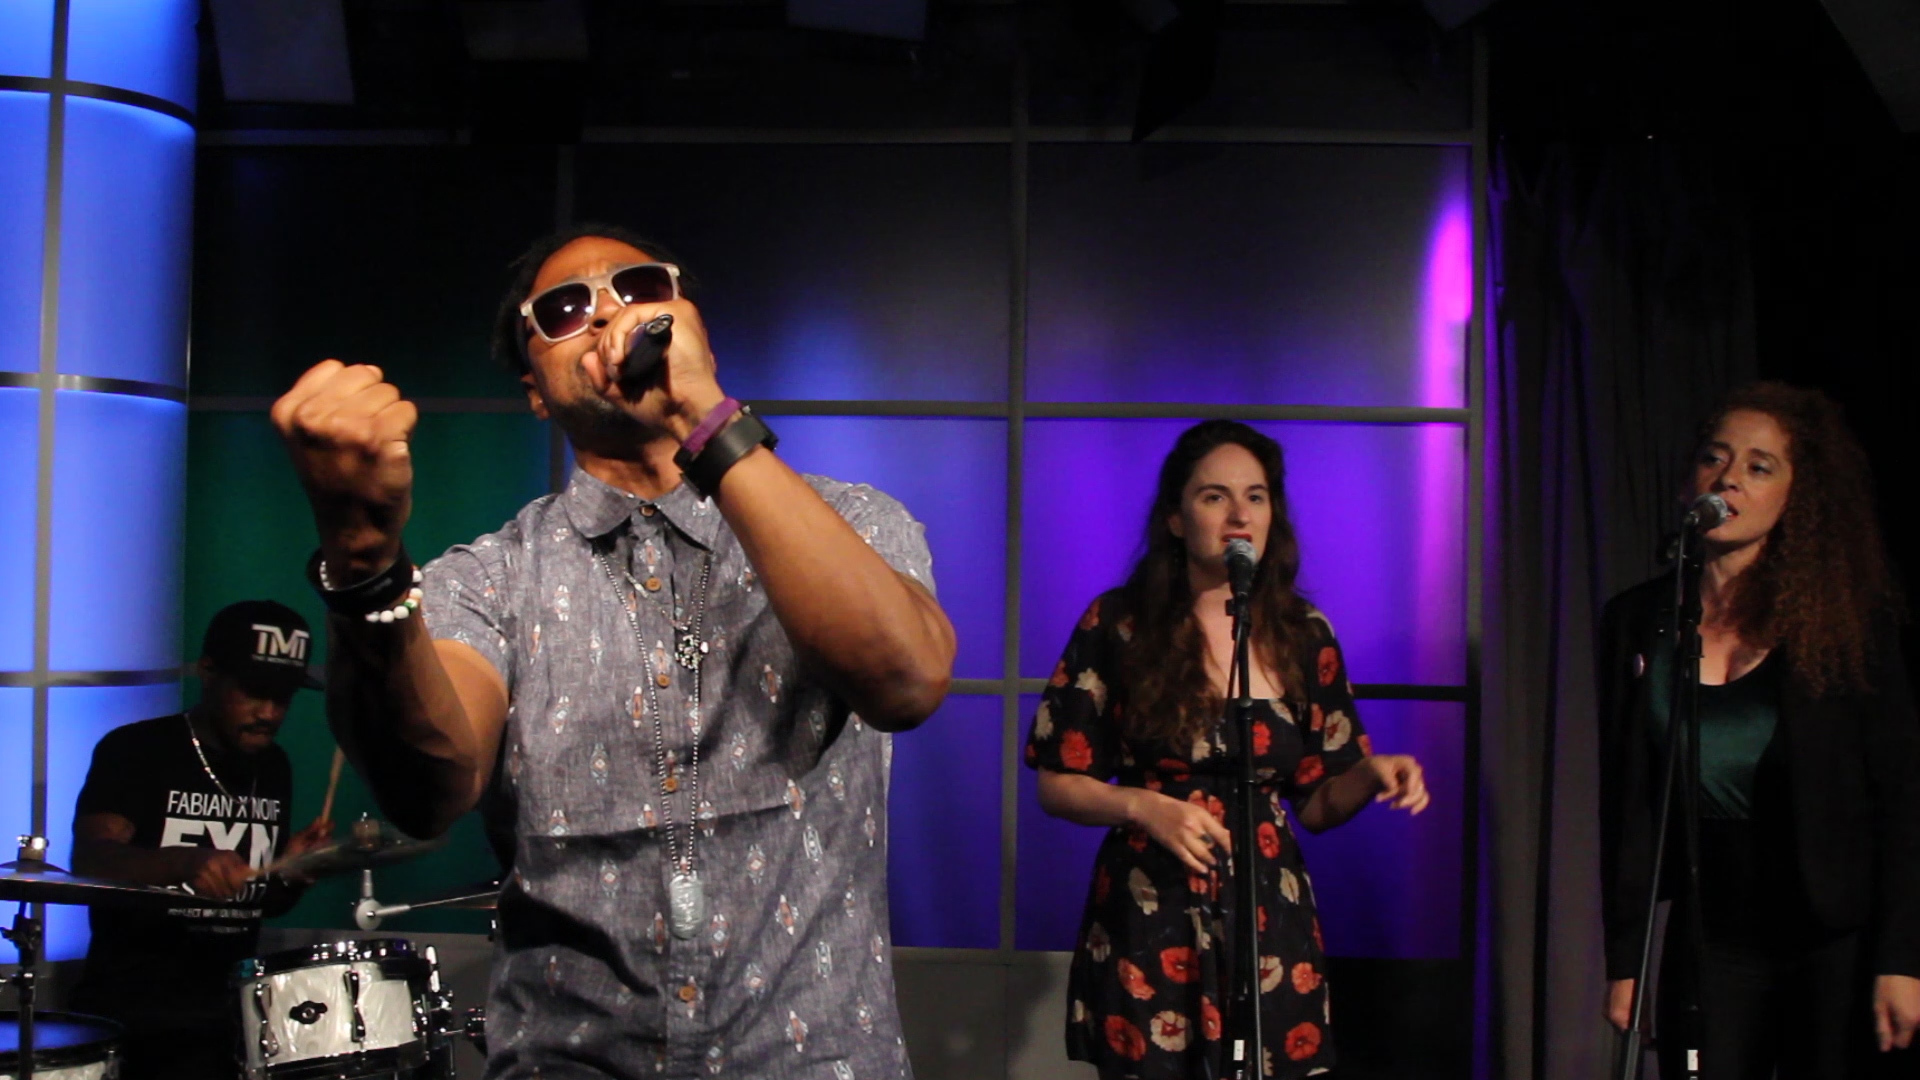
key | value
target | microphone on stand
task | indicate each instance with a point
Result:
(645, 346)
(1706, 513)
(1240, 563)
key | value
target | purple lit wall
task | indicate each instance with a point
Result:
(1293, 275)
(952, 476)
(1391, 583)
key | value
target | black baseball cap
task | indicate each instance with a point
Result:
(263, 645)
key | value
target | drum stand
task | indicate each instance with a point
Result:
(26, 935)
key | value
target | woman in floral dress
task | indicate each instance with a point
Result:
(1139, 698)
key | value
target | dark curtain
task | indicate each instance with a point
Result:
(1622, 311)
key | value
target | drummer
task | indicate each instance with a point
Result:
(198, 801)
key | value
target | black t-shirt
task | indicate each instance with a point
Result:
(157, 968)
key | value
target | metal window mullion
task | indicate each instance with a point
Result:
(1017, 185)
(49, 373)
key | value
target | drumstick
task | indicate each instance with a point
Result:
(333, 784)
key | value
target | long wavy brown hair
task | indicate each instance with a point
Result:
(1822, 578)
(1167, 693)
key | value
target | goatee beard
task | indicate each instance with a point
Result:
(598, 426)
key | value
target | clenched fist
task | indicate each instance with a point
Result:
(347, 429)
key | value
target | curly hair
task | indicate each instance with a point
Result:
(1822, 578)
(1167, 693)
(510, 330)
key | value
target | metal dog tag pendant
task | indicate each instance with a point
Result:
(687, 898)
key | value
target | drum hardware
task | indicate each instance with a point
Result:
(475, 1029)
(31, 880)
(369, 912)
(67, 1046)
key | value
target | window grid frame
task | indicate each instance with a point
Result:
(1019, 137)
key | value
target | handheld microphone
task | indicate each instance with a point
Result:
(1240, 563)
(1706, 513)
(645, 346)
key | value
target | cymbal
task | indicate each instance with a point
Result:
(371, 844)
(29, 881)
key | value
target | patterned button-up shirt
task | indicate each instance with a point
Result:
(790, 975)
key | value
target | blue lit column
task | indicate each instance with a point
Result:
(96, 171)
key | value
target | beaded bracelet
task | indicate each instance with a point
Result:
(393, 593)
(405, 608)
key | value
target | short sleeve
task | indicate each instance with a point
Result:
(114, 783)
(1075, 729)
(884, 523)
(1334, 740)
(466, 598)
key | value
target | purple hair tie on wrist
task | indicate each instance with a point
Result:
(715, 420)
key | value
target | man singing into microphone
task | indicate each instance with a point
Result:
(677, 676)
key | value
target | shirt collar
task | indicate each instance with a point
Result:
(597, 508)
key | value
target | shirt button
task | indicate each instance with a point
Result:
(670, 785)
(663, 680)
(652, 584)
(647, 510)
(689, 992)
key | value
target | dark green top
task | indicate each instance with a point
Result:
(1736, 724)
(1737, 721)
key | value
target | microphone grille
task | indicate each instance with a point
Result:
(1713, 510)
(1240, 546)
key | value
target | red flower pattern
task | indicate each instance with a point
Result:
(1262, 739)
(1209, 1018)
(1303, 1041)
(1207, 802)
(1269, 840)
(1178, 964)
(1305, 979)
(1366, 744)
(1329, 665)
(1075, 752)
(1092, 617)
(1126, 1039)
(1133, 979)
(1311, 768)
(1059, 677)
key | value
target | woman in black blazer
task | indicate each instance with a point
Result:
(1809, 785)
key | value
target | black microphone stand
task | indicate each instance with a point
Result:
(1246, 1043)
(1680, 776)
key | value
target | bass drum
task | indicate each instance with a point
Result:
(339, 1010)
(66, 1046)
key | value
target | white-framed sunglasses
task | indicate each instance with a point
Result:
(566, 309)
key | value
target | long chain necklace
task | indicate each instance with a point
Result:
(207, 768)
(686, 894)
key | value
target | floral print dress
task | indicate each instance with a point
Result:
(1153, 967)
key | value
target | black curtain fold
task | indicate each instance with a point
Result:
(1622, 311)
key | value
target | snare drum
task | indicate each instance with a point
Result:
(66, 1046)
(343, 1009)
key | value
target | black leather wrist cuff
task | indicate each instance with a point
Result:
(379, 592)
(723, 450)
